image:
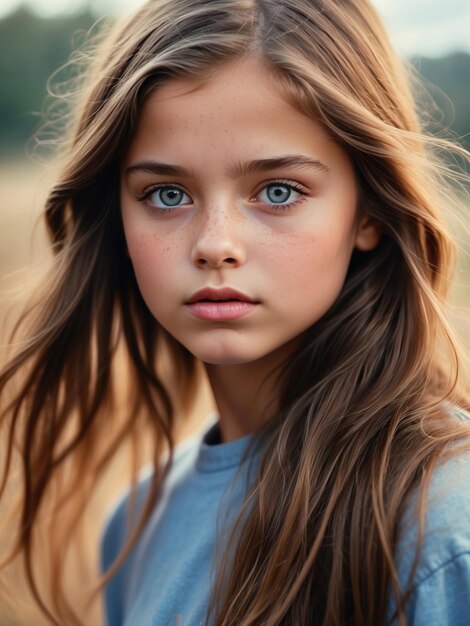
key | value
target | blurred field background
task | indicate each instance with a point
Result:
(25, 181)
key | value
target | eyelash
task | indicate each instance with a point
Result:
(277, 207)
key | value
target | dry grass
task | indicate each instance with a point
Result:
(23, 188)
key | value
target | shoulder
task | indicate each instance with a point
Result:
(447, 529)
(447, 512)
(120, 522)
(459, 413)
(441, 584)
(116, 525)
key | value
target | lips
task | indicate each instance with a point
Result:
(226, 294)
(220, 305)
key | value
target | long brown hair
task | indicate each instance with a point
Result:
(362, 419)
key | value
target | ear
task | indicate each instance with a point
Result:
(368, 233)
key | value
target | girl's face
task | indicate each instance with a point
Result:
(225, 184)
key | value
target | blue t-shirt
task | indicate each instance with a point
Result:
(167, 578)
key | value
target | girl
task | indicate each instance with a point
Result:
(248, 189)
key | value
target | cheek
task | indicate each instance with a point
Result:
(312, 260)
(153, 260)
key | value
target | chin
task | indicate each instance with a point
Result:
(224, 355)
(223, 349)
(226, 359)
(216, 353)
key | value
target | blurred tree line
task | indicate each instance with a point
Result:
(32, 48)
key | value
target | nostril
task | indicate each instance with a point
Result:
(229, 260)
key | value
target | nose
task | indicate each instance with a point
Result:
(218, 244)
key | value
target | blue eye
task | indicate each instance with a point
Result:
(278, 194)
(164, 198)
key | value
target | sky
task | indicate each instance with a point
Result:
(417, 27)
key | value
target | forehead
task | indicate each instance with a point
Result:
(235, 94)
(243, 109)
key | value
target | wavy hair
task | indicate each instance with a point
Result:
(362, 421)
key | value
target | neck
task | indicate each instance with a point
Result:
(246, 394)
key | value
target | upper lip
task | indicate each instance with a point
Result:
(223, 293)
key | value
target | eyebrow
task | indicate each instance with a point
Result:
(298, 161)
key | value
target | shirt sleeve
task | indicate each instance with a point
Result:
(115, 533)
(443, 597)
(111, 542)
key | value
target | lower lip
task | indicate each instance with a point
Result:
(221, 311)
